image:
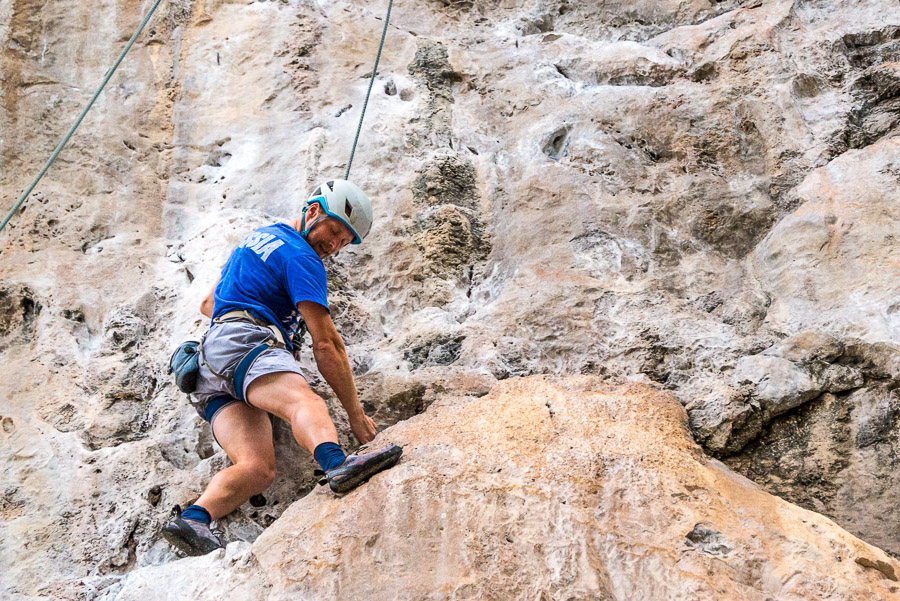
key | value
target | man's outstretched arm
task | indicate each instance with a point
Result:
(331, 358)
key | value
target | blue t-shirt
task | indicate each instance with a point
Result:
(269, 272)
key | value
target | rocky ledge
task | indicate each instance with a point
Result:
(546, 488)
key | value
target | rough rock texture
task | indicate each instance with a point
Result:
(842, 452)
(543, 489)
(697, 194)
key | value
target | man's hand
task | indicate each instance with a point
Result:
(363, 428)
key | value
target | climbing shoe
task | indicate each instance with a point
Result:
(356, 469)
(190, 536)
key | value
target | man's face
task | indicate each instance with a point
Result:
(328, 235)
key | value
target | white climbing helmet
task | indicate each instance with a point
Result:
(345, 202)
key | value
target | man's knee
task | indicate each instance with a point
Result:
(266, 477)
(262, 474)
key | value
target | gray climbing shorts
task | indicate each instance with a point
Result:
(223, 347)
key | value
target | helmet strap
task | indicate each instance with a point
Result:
(304, 231)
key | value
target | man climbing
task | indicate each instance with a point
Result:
(247, 371)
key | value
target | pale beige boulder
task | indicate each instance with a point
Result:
(546, 488)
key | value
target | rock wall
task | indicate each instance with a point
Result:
(692, 194)
(543, 489)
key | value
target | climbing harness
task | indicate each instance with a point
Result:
(371, 82)
(59, 148)
(247, 361)
(185, 361)
(249, 317)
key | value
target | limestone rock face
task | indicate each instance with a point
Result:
(856, 271)
(697, 195)
(838, 450)
(544, 489)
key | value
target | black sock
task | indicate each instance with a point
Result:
(197, 513)
(329, 455)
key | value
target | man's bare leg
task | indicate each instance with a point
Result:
(288, 396)
(245, 433)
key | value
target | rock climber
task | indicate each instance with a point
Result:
(248, 373)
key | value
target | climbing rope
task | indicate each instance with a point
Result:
(115, 66)
(59, 148)
(371, 82)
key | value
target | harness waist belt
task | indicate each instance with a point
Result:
(247, 316)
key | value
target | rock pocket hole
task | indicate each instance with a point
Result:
(563, 71)
(557, 143)
(708, 541)
(29, 311)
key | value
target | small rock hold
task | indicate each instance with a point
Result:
(217, 157)
(74, 315)
(154, 495)
(708, 540)
(876, 564)
(808, 345)
(258, 501)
